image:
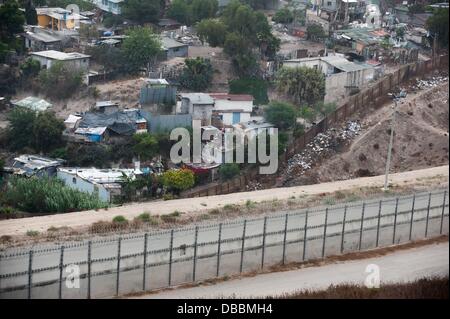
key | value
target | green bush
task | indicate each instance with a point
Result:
(32, 233)
(119, 219)
(229, 170)
(47, 195)
(178, 180)
(255, 87)
(60, 81)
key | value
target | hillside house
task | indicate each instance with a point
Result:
(111, 6)
(172, 48)
(58, 19)
(342, 77)
(33, 165)
(105, 183)
(232, 108)
(73, 59)
(199, 105)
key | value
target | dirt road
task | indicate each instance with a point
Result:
(78, 219)
(401, 266)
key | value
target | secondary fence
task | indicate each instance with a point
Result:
(376, 93)
(140, 262)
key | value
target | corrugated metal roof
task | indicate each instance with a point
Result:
(33, 103)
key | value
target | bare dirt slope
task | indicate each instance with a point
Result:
(421, 140)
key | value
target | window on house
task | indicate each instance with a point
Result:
(74, 180)
(329, 3)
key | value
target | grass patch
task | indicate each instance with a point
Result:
(119, 219)
(426, 288)
(32, 233)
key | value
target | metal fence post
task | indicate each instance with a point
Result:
(395, 221)
(144, 272)
(89, 270)
(61, 266)
(118, 265)
(378, 223)
(219, 241)
(30, 272)
(412, 217)
(243, 245)
(428, 214)
(284, 238)
(343, 229)
(195, 254)
(443, 209)
(263, 242)
(362, 225)
(325, 232)
(170, 257)
(304, 235)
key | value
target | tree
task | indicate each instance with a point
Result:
(47, 132)
(303, 84)
(280, 114)
(20, 129)
(145, 146)
(140, 48)
(178, 179)
(141, 11)
(30, 68)
(212, 31)
(283, 15)
(255, 87)
(203, 9)
(197, 74)
(315, 32)
(30, 13)
(181, 11)
(11, 23)
(28, 129)
(228, 171)
(111, 58)
(60, 81)
(11, 20)
(438, 25)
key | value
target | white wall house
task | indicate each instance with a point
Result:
(105, 183)
(74, 59)
(233, 108)
(112, 6)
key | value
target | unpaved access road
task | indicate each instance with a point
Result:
(80, 219)
(401, 266)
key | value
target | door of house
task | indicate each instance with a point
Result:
(236, 117)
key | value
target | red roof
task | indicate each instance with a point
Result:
(231, 97)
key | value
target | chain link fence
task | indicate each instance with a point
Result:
(140, 262)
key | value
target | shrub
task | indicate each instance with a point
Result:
(255, 87)
(229, 170)
(145, 217)
(281, 114)
(119, 219)
(47, 195)
(178, 180)
(32, 233)
(60, 81)
(197, 74)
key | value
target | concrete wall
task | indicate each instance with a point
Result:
(338, 86)
(177, 52)
(80, 184)
(81, 64)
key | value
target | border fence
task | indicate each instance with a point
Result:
(376, 93)
(141, 262)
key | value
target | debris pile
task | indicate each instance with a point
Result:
(323, 144)
(429, 82)
(253, 186)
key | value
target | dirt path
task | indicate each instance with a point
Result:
(400, 266)
(78, 219)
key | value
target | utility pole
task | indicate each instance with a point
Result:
(391, 138)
